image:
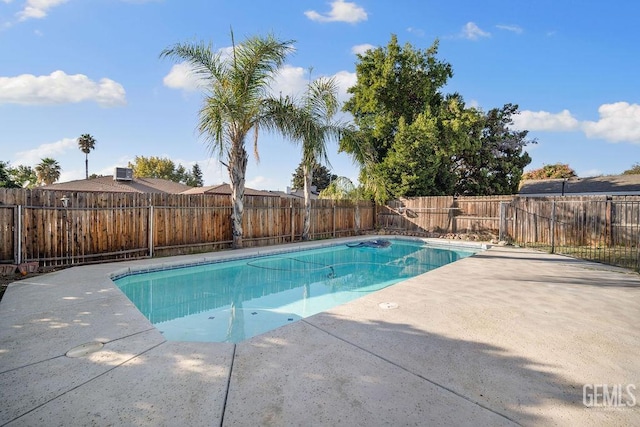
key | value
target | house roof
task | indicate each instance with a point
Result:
(300, 194)
(612, 185)
(107, 184)
(225, 189)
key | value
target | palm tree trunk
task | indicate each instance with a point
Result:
(308, 176)
(86, 165)
(237, 170)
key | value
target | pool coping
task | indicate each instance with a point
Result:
(247, 253)
(253, 253)
(137, 377)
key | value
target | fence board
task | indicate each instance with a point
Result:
(595, 228)
(102, 226)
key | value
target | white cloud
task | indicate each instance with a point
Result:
(37, 9)
(181, 77)
(293, 81)
(290, 81)
(545, 121)
(360, 49)
(55, 149)
(341, 11)
(513, 28)
(619, 122)
(471, 31)
(345, 80)
(417, 31)
(474, 104)
(260, 182)
(60, 88)
(213, 172)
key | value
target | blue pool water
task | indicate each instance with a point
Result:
(235, 300)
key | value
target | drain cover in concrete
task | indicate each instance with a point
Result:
(388, 305)
(84, 349)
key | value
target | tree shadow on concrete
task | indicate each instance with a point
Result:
(332, 358)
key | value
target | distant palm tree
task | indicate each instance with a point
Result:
(313, 127)
(86, 143)
(341, 188)
(48, 171)
(235, 103)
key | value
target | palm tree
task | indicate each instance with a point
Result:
(86, 143)
(313, 127)
(341, 188)
(48, 171)
(235, 103)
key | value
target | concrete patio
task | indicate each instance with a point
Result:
(506, 337)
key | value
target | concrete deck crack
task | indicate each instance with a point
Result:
(84, 383)
(226, 394)
(441, 386)
(63, 355)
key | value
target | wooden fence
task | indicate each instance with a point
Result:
(598, 228)
(443, 214)
(603, 229)
(37, 226)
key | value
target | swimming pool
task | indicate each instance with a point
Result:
(235, 300)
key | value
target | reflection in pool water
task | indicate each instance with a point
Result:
(235, 300)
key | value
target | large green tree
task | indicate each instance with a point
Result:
(154, 167)
(6, 179)
(235, 104)
(24, 176)
(493, 160)
(86, 143)
(322, 177)
(48, 171)
(165, 168)
(414, 140)
(194, 178)
(395, 85)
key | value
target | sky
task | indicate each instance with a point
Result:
(70, 67)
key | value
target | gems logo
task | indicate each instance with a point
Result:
(609, 396)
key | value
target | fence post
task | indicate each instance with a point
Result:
(151, 216)
(334, 218)
(609, 220)
(553, 226)
(453, 211)
(18, 235)
(375, 215)
(293, 222)
(503, 221)
(515, 224)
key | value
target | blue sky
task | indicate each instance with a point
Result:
(70, 67)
